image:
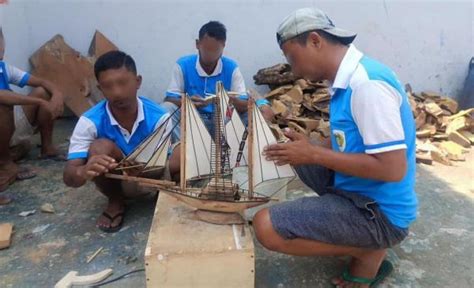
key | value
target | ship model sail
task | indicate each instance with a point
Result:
(207, 161)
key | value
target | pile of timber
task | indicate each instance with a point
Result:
(444, 134)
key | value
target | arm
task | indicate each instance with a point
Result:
(78, 171)
(263, 104)
(375, 108)
(176, 86)
(386, 166)
(238, 85)
(11, 98)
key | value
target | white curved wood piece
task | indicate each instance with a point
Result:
(71, 278)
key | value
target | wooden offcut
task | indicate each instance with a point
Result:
(185, 252)
(100, 45)
(72, 73)
(6, 230)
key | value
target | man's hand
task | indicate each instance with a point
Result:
(198, 101)
(53, 107)
(97, 165)
(296, 152)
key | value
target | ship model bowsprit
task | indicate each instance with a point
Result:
(207, 162)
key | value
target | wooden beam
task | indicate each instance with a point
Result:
(250, 113)
(182, 159)
(185, 252)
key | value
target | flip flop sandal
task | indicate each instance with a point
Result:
(385, 269)
(25, 173)
(112, 219)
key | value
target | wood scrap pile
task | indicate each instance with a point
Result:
(444, 134)
(297, 103)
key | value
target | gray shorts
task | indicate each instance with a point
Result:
(336, 217)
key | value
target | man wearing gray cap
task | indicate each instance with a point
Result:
(365, 172)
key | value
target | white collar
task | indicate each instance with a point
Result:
(140, 116)
(202, 73)
(347, 67)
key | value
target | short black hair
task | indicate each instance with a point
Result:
(303, 38)
(214, 29)
(114, 60)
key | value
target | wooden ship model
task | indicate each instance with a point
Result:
(207, 161)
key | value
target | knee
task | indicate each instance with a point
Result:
(264, 231)
(174, 162)
(40, 92)
(105, 147)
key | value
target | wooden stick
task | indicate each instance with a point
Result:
(140, 179)
(251, 106)
(90, 258)
(129, 167)
(182, 168)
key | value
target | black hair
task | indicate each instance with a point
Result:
(214, 29)
(303, 38)
(114, 60)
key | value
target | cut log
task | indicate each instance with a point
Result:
(440, 157)
(459, 139)
(279, 108)
(454, 151)
(296, 94)
(278, 91)
(468, 135)
(433, 109)
(424, 158)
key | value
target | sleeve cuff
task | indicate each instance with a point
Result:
(172, 94)
(261, 102)
(77, 155)
(24, 80)
(385, 147)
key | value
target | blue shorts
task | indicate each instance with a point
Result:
(335, 217)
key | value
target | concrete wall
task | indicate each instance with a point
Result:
(428, 43)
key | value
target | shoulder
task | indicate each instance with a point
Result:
(96, 112)
(187, 59)
(150, 105)
(229, 62)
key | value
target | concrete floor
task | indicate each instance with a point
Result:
(437, 253)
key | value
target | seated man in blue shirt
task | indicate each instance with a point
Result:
(111, 130)
(364, 174)
(196, 76)
(23, 115)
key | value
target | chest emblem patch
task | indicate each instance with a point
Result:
(340, 137)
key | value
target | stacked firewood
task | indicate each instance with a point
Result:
(444, 134)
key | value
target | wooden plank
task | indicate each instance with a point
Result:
(185, 252)
(6, 230)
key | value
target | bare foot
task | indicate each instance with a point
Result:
(8, 172)
(112, 217)
(52, 153)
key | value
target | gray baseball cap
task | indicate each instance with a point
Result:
(309, 19)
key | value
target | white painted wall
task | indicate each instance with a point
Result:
(428, 43)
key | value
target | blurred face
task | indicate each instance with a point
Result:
(119, 87)
(308, 60)
(210, 50)
(2, 45)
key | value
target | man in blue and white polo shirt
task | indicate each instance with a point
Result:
(23, 115)
(364, 174)
(111, 130)
(196, 75)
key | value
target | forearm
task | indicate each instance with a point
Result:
(11, 98)
(240, 104)
(359, 165)
(72, 176)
